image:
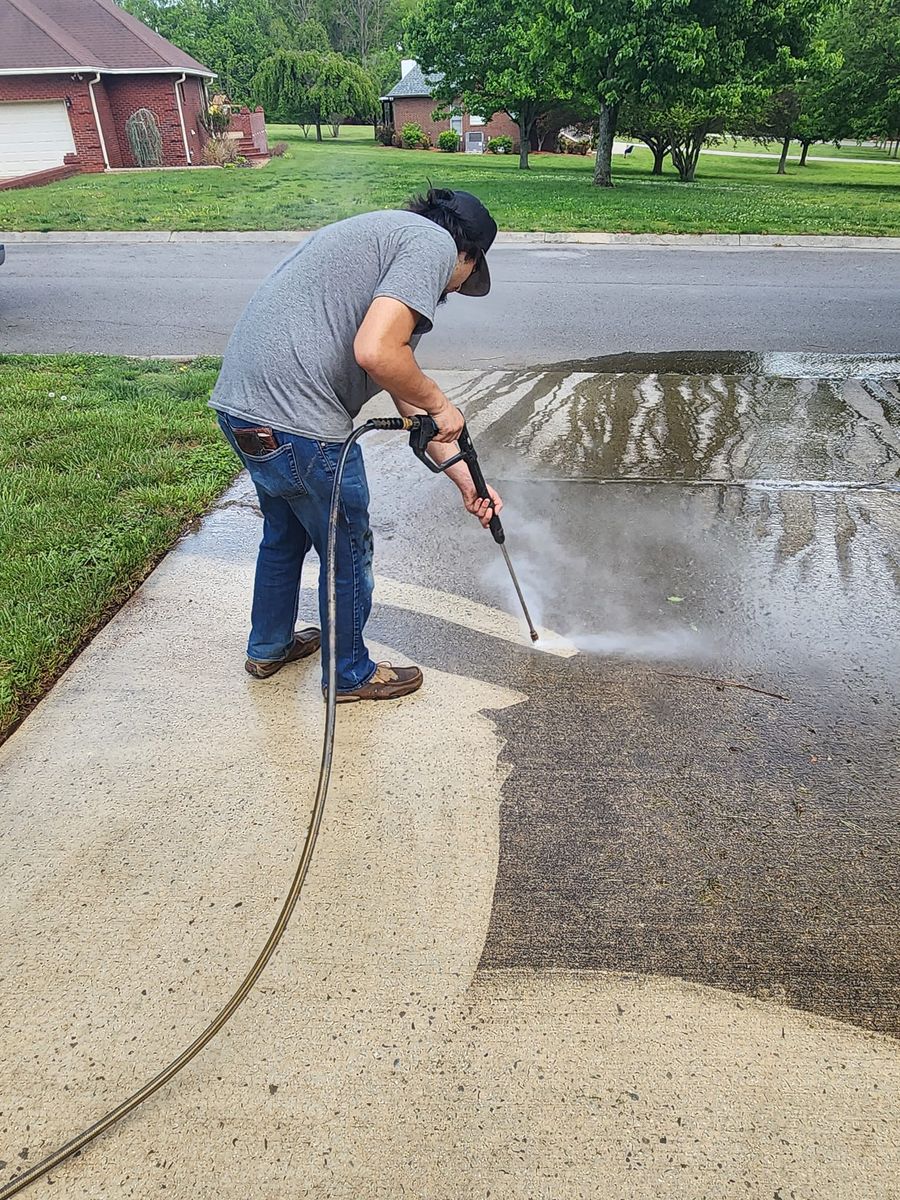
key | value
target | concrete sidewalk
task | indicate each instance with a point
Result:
(712, 241)
(153, 806)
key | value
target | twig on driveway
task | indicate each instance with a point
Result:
(722, 683)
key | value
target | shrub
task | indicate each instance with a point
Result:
(277, 151)
(448, 141)
(220, 151)
(216, 119)
(500, 145)
(414, 137)
(144, 138)
(573, 145)
(385, 135)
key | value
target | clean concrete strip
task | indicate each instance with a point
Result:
(460, 610)
(714, 241)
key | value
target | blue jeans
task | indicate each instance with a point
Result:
(294, 486)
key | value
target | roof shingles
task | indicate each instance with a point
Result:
(414, 83)
(38, 35)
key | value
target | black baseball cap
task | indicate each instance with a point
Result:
(484, 228)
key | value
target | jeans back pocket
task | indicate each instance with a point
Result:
(275, 473)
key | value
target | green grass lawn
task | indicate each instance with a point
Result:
(317, 183)
(102, 462)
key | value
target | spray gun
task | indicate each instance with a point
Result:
(424, 430)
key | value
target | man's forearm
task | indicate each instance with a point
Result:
(400, 374)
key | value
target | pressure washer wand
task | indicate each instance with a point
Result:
(424, 430)
(470, 458)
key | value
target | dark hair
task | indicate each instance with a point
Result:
(437, 205)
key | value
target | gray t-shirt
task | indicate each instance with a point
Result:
(289, 362)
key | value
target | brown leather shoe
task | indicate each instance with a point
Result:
(306, 642)
(388, 683)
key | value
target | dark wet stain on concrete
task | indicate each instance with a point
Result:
(721, 836)
(691, 427)
(657, 819)
(780, 364)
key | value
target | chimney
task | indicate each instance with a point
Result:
(406, 65)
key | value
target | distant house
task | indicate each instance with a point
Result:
(71, 74)
(411, 100)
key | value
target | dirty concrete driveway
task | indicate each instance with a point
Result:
(615, 918)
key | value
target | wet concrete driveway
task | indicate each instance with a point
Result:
(711, 788)
(614, 919)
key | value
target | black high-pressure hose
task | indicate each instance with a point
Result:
(290, 902)
(423, 430)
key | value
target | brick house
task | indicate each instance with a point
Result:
(411, 100)
(71, 74)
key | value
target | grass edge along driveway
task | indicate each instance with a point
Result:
(103, 461)
(315, 183)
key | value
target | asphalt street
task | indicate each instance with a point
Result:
(549, 304)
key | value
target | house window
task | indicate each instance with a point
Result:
(473, 120)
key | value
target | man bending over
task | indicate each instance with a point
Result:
(336, 322)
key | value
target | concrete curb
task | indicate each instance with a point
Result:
(711, 241)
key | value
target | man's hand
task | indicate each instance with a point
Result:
(449, 421)
(483, 509)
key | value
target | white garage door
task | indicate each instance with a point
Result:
(34, 135)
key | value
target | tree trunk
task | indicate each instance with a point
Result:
(785, 146)
(524, 141)
(659, 155)
(548, 140)
(318, 131)
(685, 154)
(803, 153)
(606, 132)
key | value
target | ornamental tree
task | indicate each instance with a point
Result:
(693, 59)
(493, 56)
(343, 89)
(866, 36)
(310, 88)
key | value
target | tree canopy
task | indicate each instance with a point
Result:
(866, 36)
(232, 37)
(306, 87)
(494, 56)
(691, 63)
